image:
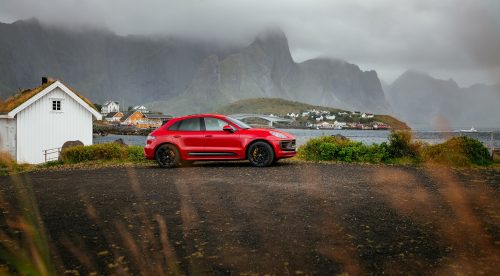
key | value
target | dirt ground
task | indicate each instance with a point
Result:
(293, 218)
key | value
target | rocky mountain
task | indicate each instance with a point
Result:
(100, 64)
(424, 101)
(265, 68)
(178, 76)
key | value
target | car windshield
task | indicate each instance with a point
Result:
(239, 123)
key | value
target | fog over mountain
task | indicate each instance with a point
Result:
(132, 69)
(176, 75)
(266, 69)
(446, 38)
(425, 102)
(180, 75)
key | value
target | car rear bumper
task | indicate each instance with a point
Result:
(149, 151)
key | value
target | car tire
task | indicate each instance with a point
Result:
(260, 154)
(167, 156)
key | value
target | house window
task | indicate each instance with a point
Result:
(56, 105)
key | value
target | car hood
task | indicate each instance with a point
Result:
(268, 131)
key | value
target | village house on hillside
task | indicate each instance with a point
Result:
(44, 118)
(113, 117)
(153, 120)
(110, 106)
(147, 120)
(140, 108)
(131, 118)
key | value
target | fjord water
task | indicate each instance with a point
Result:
(365, 136)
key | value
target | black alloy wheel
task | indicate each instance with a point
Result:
(260, 154)
(168, 156)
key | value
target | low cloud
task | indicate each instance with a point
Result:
(447, 38)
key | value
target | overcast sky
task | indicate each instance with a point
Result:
(457, 39)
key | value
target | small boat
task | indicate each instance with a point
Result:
(472, 129)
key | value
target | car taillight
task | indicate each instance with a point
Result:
(150, 139)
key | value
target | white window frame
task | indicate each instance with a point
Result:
(61, 101)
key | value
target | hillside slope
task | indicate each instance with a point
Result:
(282, 107)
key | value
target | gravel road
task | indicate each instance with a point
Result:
(293, 218)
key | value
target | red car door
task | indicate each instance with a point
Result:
(219, 143)
(189, 136)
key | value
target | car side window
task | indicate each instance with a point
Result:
(192, 124)
(214, 124)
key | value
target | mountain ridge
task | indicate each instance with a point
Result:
(265, 68)
(427, 102)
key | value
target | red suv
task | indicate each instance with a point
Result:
(216, 137)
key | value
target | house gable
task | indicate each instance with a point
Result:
(57, 84)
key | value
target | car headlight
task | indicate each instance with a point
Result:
(277, 134)
(150, 138)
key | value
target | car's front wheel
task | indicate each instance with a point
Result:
(260, 154)
(168, 156)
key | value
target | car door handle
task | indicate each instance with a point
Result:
(177, 136)
(208, 135)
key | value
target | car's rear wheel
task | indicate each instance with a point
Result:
(168, 156)
(260, 154)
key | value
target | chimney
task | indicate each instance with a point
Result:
(46, 80)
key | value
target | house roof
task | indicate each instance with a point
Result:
(109, 102)
(112, 114)
(157, 116)
(128, 114)
(21, 100)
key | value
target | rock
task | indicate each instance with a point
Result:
(496, 155)
(120, 142)
(70, 144)
(340, 137)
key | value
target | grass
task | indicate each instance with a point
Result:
(108, 154)
(19, 98)
(26, 248)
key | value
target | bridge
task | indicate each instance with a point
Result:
(270, 119)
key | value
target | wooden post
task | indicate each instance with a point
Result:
(492, 144)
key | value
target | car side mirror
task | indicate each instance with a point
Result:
(228, 128)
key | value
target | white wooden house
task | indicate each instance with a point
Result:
(43, 118)
(140, 108)
(110, 106)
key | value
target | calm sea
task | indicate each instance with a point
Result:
(365, 136)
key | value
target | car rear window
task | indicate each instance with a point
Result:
(175, 126)
(192, 124)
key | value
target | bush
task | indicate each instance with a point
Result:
(401, 145)
(458, 151)
(108, 151)
(329, 148)
(136, 154)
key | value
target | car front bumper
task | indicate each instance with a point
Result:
(285, 148)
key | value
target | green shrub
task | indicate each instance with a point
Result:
(312, 151)
(108, 151)
(52, 163)
(330, 148)
(458, 151)
(136, 154)
(401, 145)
